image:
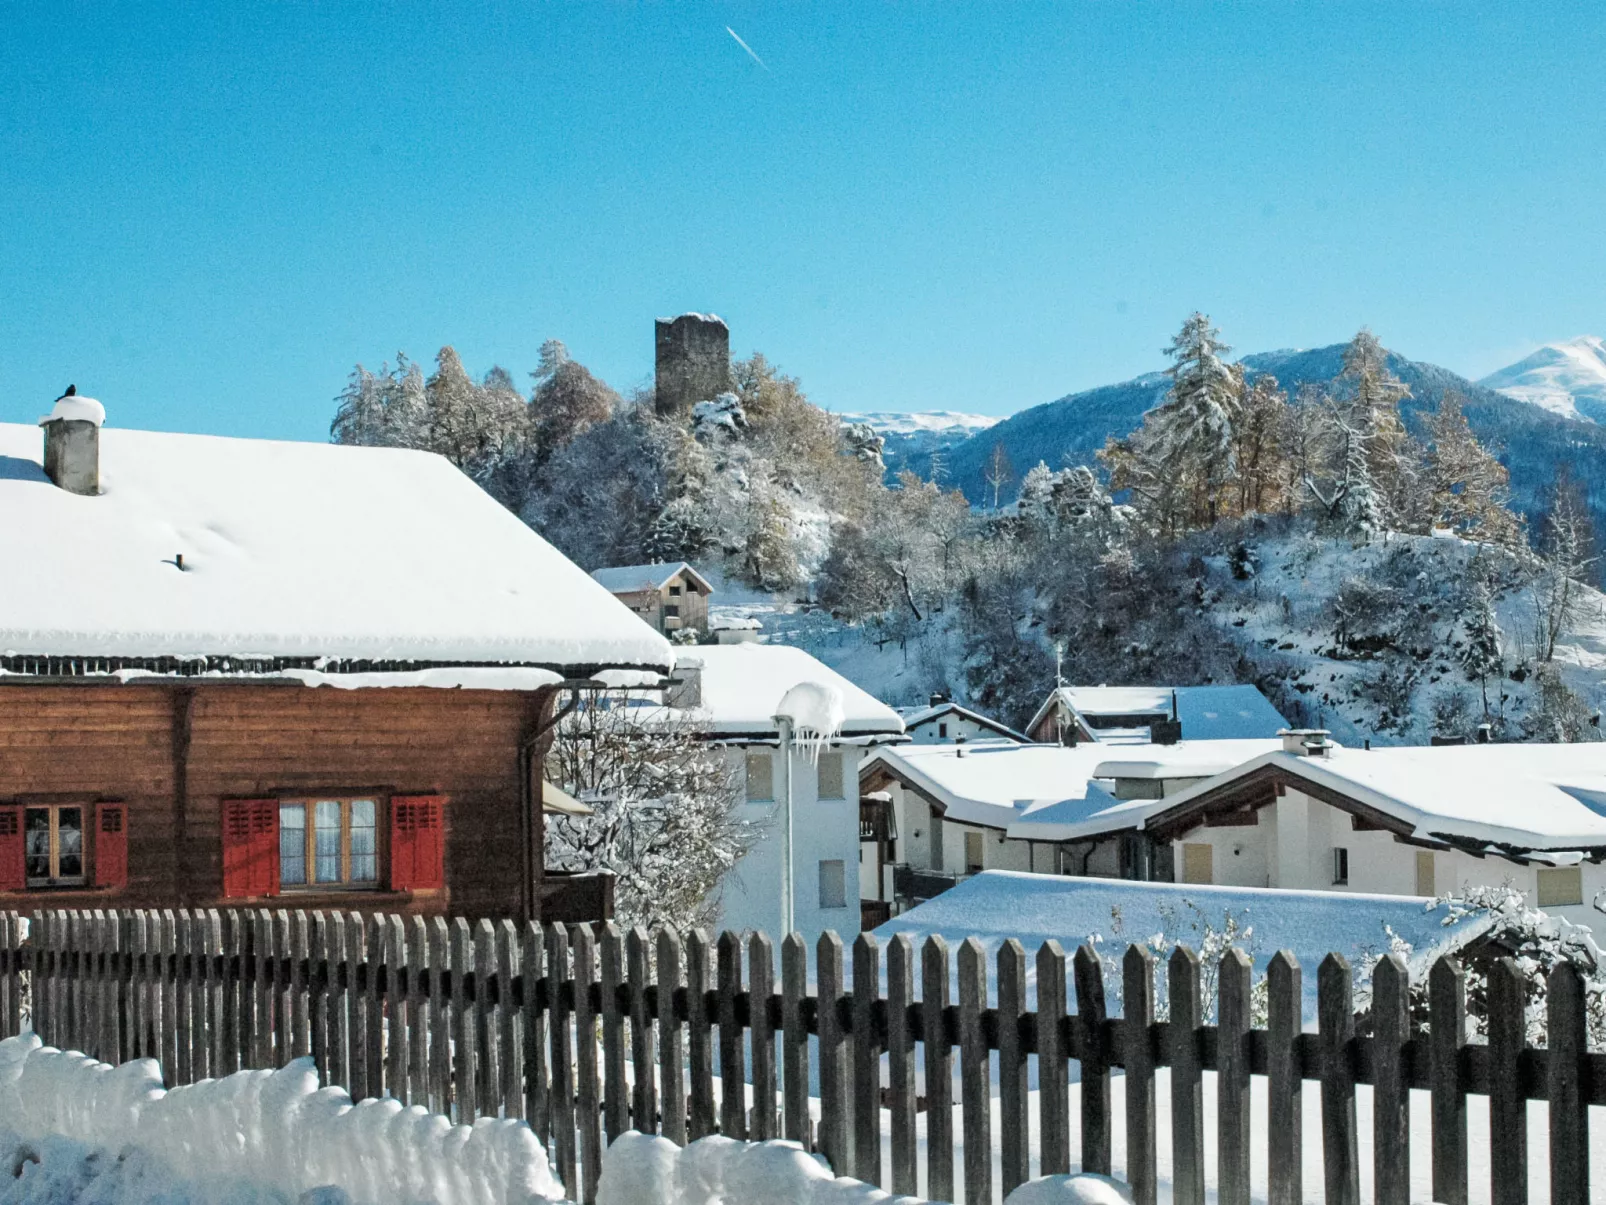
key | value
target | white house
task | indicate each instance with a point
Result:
(733, 692)
(1412, 821)
(944, 720)
(966, 806)
(1126, 715)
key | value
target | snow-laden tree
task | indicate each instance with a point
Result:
(1557, 714)
(1258, 451)
(1369, 395)
(566, 400)
(382, 409)
(1566, 555)
(1481, 655)
(667, 816)
(1000, 471)
(1468, 490)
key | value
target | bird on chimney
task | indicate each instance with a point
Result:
(72, 391)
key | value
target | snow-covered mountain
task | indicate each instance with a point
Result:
(1568, 379)
(914, 436)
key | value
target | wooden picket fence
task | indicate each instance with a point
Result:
(588, 1032)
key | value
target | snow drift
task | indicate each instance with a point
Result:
(255, 1136)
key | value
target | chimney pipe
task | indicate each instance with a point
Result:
(72, 442)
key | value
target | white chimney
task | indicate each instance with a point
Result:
(72, 442)
(1305, 742)
(685, 687)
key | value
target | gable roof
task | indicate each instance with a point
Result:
(1507, 799)
(631, 579)
(300, 554)
(742, 684)
(925, 715)
(1216, 712)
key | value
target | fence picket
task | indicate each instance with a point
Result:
(974, 1079)
(418, 1011)
(615, 1098)
(671, 1047)
(760, 991)
(373, 1006)
(1391, 1094)
(1187, 1091)
(1013, 1125)
(561, 993)
(1508, 1105)
(216, 970)
(795, 1120)
(300, 1012)
(1234, 980)
(465, 1090)
(1137, 994)
(1284, 1118)
(232, 950)
(167, 992)
(440, 1014)
(322, 992)
(835, 1131)
(643, 1097)
(1090, 1018)
(183, 996)
(487, 1025)
(1447, 1003)
(398, 1051)
(1568, 1108)
(588, 1103)
(1335, 1009)
(865, 1060)
(537, 1005)
(510, 1032)
(699, 1051)
(262, 935)
(939, 1060)
(901, 1062)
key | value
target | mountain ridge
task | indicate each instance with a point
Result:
(1566, 378)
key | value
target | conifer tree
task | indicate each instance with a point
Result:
(1481, 657)
(1468, 490)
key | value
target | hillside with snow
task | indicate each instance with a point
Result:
(1567, 379)
(1531, 441)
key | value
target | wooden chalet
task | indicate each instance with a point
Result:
(670, 596)
(237, 670)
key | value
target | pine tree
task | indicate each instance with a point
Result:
(1258, 449)
(1191, 432)
(1370, 396)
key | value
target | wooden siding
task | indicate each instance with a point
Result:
(173, 754)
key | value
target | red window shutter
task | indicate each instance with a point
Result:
(417, 842)
(111, 845)
(250, 848)
(13, 870)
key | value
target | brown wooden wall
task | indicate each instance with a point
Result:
(173, 754)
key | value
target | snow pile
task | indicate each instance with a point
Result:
(816, 712)
(640, 1169)
(723, 413)
(251, 1136)
(1083, 1189)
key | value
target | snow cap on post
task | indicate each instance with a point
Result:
(815, 711)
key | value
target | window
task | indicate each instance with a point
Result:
(833, 884)
(973, 852)
(672, 610)
(1340, 867)
(1562, 886)
(942, 732)
(1198, 863)
(674, 592)
(760, 779)
(53, 845)
(1424, 873)
(829, 774)
(329, 843)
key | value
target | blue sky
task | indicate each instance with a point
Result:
(208, 214)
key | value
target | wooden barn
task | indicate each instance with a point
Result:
(233, 670)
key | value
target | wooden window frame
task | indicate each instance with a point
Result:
(56, 879)
(311, 883)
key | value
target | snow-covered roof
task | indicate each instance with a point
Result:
(1190, 758)
(655, 575)
(936, 711)
(1207, 712)
(1032, 908)
(314, 553)
(992, 782)
(1508, 797)
(741, 685)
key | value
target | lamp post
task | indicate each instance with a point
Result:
(784, 726)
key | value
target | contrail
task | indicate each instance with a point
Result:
(747, 48)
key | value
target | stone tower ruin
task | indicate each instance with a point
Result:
(692, 362)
